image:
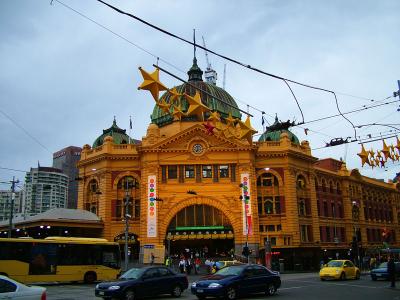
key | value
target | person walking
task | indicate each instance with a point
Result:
(152, 257)
(181, 265)
(197, 263)
(168, 262)
(391, 268)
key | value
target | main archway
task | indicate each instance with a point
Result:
(200, 230)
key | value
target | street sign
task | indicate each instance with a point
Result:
(148, 246)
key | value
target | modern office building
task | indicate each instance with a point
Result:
(5, 203)
(45, 188)
(198, 181)
(66, 160)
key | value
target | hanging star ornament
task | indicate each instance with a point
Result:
(214, 117)
(209, 128)
(164, 106)
(196, 107)
(385, 150)
(174, 96)
(177, 113)
(230, 121)
(246, 131)
(398, 145)
(364, 156)
(152, 83)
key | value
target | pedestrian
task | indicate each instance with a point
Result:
(197, 263)
(181, 265)
(188, 266)
(152, 257)
(208, 265)
(168, 262)
(391, 269)
(372, 263)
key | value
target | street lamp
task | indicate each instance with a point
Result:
(130, 183)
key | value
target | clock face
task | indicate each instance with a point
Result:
(197, 148)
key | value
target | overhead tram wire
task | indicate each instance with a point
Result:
(175, 67)
(10, 169)
(230, 59)
(25, 131)
(349, 112)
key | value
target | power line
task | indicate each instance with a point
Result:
(286, 80)
(24, 130)
(16, 170)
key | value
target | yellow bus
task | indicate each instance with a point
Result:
(59, 259)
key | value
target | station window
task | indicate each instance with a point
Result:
(223, 171)
(261, 228)
(278, 227)
(271, 227)
(189, 171)
(172, 172)
(273, 241)
(207, 171)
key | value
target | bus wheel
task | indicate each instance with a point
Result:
(90, 277)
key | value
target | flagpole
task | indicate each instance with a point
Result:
(130, 128)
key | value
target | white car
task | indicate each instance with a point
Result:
(11, 289)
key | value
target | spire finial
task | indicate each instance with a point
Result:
(276, 118)
(115, 121)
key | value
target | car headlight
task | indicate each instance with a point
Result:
(114, 287)
(194, 284)
(214, 285)
(97, 286)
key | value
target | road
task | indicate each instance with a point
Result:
(294, 286)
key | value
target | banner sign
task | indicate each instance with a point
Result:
(151, 210)
(247, 217)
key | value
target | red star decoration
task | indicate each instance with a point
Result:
(209, 127)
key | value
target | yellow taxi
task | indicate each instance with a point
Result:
(340, 270)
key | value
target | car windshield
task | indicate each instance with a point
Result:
(133, 273)
(230, 271)
(383, 265)
(335, 263)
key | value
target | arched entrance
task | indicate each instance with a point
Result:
(202, 230)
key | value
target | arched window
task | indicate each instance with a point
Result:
(302, 208)
(269, 207)
(128, 199)
(323, 185)
(330, 187)
(301, 182)
(267, 179)
(338, 189)
(92, 197)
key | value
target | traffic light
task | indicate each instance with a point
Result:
(246, 251)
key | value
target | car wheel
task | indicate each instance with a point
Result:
(343, 276)
(130, 295)
(176, 291)
(271, 289)
(230, 293)
(90, 277)
(357, 275)
(322, 279)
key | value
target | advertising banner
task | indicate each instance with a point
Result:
(152, 208)
(246, 199)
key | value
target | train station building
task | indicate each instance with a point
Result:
(197, 180)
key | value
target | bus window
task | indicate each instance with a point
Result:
(15, 251)
(111, 256)
(43, 259)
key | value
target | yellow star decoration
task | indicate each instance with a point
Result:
(164, 106)
(152, 83)
(364, 156)
(398, 144)
(214, 117)
(385, 150)
(397, 157)
(177, 113)
(174, 96)
(246, 131)
(195, 106)
(230, 121)
(372, 153)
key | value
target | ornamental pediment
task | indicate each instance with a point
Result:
(196, 139)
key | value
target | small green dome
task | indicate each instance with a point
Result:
(161, 118)
(273, 133)
(119, 136)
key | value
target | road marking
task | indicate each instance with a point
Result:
(294, 287)
(342, 284)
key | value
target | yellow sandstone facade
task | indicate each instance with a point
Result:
(190, 187)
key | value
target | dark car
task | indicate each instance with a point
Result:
(237, 280)
(381, 271)
(143, 282)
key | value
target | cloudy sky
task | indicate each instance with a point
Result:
(63, 78)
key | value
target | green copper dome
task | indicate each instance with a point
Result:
(119, 136)
(273, 132)
(195, 78)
